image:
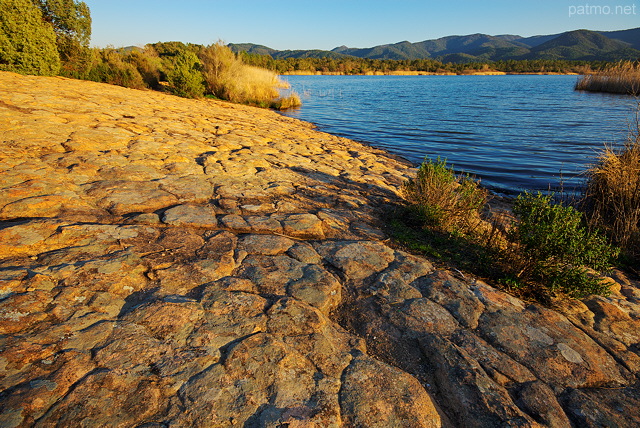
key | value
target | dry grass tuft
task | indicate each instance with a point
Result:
(290, 101)
(612, 195)
(445, 200)
(623, 78)
(228, 78)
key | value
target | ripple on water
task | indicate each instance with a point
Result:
(514, 132)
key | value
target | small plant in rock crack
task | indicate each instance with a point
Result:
(445, 200)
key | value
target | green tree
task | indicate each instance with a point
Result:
(27, 43)
(71, 21)
(186, 78)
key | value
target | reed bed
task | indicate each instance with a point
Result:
(612, 195)
(228, 77)
(622, 78)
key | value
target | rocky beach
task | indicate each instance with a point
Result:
(167, 262)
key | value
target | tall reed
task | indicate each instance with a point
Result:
(229, 78)
(622, 78)
(612, 195)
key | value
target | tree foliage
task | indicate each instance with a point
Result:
(354, 65)
(71, 21)
(27, 43)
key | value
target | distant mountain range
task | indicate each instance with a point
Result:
(582, 45)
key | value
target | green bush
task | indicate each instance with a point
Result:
(547, 248)
(27, 42)
(557, 249)
(148, 64)
(185, 78)
(444, 199)
(109, 66)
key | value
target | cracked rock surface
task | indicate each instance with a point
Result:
(172, 262)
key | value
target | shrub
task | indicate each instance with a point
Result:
(108, 66)
(612, 193)
(185, 78)
(27, 42)
(622, 78)
(148, 64)
(556, 248)
(218, 66)
(444, 199)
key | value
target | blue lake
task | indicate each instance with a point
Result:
(514, 132)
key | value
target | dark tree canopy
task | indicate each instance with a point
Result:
(27, 43)
(70, 19)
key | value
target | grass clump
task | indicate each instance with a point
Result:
(554, 247)
(227, 77)
(285, 103)
(447, 201)
(621, 78)
(612, 193)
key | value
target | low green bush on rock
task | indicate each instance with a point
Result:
(555, 248)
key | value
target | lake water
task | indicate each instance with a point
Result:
(514, 132)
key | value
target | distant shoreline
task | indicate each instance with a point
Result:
(423, 73)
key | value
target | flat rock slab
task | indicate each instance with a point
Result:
(174, 262)
(358, 260)
(269, 245)
(303, 226)
(188, 215)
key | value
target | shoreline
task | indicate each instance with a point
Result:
(425, 73)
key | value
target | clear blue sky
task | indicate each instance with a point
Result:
(325, 24)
